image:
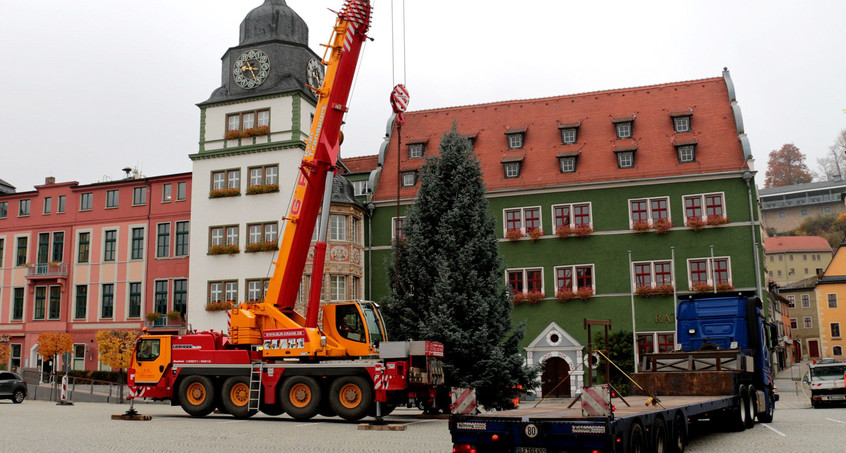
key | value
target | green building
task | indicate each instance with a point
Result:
(609, 205)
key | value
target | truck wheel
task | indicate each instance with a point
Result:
(737, 416)
(659, 436)
(752, 405)
(271, 409)
(236, 397)
(769, 410)
(636, 439)
(196, 396)
(350, 397)
(679, 433)
(300, 397)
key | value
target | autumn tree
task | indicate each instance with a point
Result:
(832, 227)
(787, 167)
(115, 347)
(4, 352)
(51, 344)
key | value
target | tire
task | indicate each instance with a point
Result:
(769, 401)
(815, 404)
(271, 409)
(18, 397)
(679, 434)
(351, 397)
(736, 420)
(300, 397)
(636, 439)
(752, 406)
(235, 396)
(196, 396)
(660, 441)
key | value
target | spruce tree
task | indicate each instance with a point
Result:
(446, 279)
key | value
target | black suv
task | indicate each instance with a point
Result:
(12, 387)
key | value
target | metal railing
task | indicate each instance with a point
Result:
(47, 386)
(47, 270)
(816, 199)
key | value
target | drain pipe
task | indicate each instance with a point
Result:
(747, 176)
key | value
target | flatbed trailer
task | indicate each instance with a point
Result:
(552, 428)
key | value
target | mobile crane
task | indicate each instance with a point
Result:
(275, 359)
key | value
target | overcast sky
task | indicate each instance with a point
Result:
(92, 86)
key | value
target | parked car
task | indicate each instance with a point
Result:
(827, 381)
(12, 387)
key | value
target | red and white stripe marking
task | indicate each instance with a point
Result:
(399, 98)
(596, 401)
(463, 401)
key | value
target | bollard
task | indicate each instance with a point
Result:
(64, 394)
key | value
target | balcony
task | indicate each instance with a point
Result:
(47, 270)
(809, 200)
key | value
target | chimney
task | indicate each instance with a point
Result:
(49, 180)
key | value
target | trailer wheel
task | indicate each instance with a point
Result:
(679, 433)
(196, 396)
(236, 397)
(769, 409)
(659, 436)
(300, 397)
(752, 405)
(636, 439)
(350, 397)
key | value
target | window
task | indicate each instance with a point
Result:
(525, 280)
(216, 236)
(398, 231)
(160, 297)
(681, 124)
(515, 141)
(522, 219)
(84, 247)
(163, 240)
(567, 164)
(415, 150)
(709, 271)
(21, 252)
(181, 191)
(704, 206)
(624, 129)
(2, 251)
(43, 247)
(409, 178)
(806, 301)
(231, 291)
(649, 210)
(835, 330)
(360, 187)
(86, 200)
(112, 198)
(583, 277)
(137, 251)
(804, 212)
(247, 120)
(653, 273)
(837, 350)
(181, 245)
(60, 206)
(4, 209)
(225, 235)
(569, 135)
(109, 248)
(512, 169)
(625, 159)
(107, 301)
(232, 235)
(354, 229)
(337, 287)
(139, 196)
(23, 208)
(58, 247)
(794, 323)
(167, 193)
(832, 301)
(18, 305)
(80, 310)
(54, 308)
(261, 232)
(791, 301)
(227, 179)
(256, 289)
(215, 291)
(686, 153)
(180, 295)
(40, 299)
(806, 322)
(337, 227)
(260, 176)
(48, 205)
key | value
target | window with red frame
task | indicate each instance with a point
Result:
(666, 342)
(581, 214)
(643, 274)
(714, 205)
(562, 216)
(699, 272)
(534, 281)
(399, 228)
(515, 281)
(645, 344)
(693, 207)
(639, 211)
(513, 219)
(532, 216)
(584, 276)
(564, 278)
(660, 210)
(663, 274)
(721, 271)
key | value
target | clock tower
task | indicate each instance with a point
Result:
(252, 138)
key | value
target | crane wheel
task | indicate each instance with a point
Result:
(300, 397)
(350, 397)
(271, 409)
(236, 397)
(196, 396)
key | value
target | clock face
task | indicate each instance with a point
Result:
(251, 69)
(314, 75)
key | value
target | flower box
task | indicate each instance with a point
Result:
(584, 293)
(695, 223)
(153, 317)
(645, 291)
(582, 231)
(534, 297)
(563, 231)
(717, 220)
(513, 234)
(518, 298)
(234, 134)
(224, 249)
(223, 193)
(565, 294)
(174, 315)
(535, 234)
(701, 288)
(268, 246)
(662, 225)
(264, 188)
(641, 226)
(723, 287)
(663, 290)
(259, 130)
(220, 306)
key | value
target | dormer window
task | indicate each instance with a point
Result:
(415, 151)
(569, 133)
(567, 161)
(512, 169)
(625, 155)
(681, 121)
(624, 125)
(686, 153)
(409, 178)
(515, 137)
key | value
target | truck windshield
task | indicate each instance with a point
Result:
(828, 372)
(374, 322)
(148, 349)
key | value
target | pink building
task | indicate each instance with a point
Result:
(83, 258)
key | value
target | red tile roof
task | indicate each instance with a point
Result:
(360, 164)
(793, 244)
(712, 129)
